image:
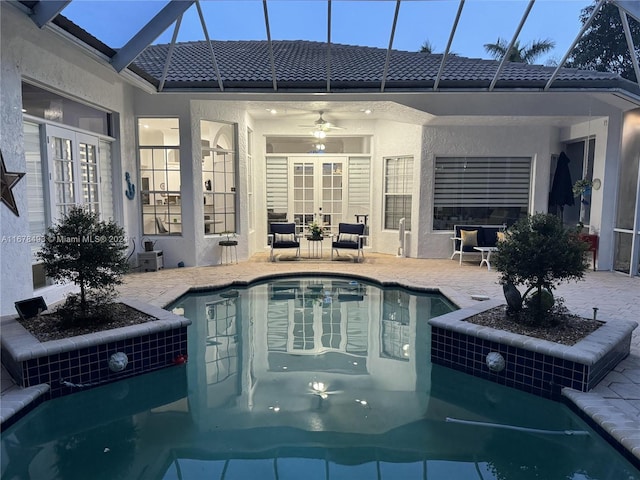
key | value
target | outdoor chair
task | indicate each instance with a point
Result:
(469, 239)
(350, 237)
(283, 235)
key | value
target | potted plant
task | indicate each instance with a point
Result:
(582, 187)
(230, 235)
(538, 252)
(315, 230)
(90, 253)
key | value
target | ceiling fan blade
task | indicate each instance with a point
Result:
(322, 124)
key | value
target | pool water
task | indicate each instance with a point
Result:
(307, 378)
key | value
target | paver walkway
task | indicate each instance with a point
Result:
(614, 404)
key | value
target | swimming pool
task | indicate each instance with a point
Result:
(307, 377)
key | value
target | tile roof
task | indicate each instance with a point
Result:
(301, 65)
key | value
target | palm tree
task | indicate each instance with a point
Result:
(520, 54)
(427, 47)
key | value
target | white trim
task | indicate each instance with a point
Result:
(43, 121)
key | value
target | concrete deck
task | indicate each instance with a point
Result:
(614, 404)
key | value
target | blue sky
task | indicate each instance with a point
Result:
(366, 23)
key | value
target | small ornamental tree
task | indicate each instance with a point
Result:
(88, 252)
(539, 253)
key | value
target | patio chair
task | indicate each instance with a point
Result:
(351, 237)
(283, 235)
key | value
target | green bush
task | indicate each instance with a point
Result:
(539, 253)
(90, 253)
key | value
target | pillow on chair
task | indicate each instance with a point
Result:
(469, 238)
(348, 237)
(285, 237)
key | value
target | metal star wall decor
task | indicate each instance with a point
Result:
(8, 181)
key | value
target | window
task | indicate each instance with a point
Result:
(50, 106)
(480, 190)
(159, 151)
(219, 167)
(398, 181)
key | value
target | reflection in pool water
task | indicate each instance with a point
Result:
(314, 378)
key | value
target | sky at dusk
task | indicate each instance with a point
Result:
(365, 23)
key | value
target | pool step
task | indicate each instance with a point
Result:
(17, 401)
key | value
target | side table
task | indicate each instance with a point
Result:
(486, 255)
(314, 246)
(226, 252)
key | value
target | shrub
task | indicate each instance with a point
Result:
(539, 253)
(90, 253)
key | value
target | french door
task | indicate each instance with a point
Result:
(317, 191)
(73, 171)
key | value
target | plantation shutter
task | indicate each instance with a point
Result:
(106, 184)
(35, 184)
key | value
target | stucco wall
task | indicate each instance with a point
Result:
(605, 167)
(531, 141)
(40, 56)
(207, 249)
(394, 139)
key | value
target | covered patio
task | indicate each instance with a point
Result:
(187, 141)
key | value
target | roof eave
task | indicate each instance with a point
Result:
(617, 85)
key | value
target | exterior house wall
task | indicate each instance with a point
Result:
(178, 248)
(41, 56)
(274, 127)
(193, 248)
(206, 247)
(394, 139)
(530, 141)
(605, 167)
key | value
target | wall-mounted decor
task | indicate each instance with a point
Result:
(130, 192)
(9, 180)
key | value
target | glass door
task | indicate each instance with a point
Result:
(73, 171)
(317, 191)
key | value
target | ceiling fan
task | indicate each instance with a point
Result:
(321, 127)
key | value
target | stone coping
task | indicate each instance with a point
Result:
(173, 294)
(587, 351)
(22, 346)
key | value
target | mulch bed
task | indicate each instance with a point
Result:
(566, 329)
(51, 326)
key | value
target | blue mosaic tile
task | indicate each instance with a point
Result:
(89, 365)
(533, 372)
